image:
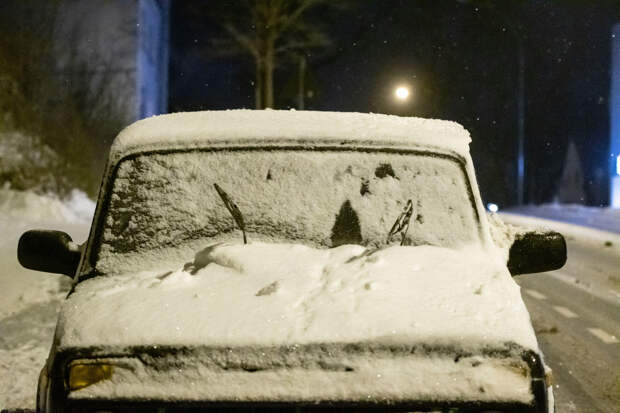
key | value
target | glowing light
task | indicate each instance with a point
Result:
(401, 93)
(618, 164)
(492, 207)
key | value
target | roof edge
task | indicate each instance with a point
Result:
(192, 128)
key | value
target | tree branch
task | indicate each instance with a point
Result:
(242, 39)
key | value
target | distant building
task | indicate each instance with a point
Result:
(122, 44)
(614, 116)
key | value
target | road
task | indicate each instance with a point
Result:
(576, 315)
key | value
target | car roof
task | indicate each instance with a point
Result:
(271, 127)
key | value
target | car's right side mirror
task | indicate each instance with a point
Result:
(536, 251)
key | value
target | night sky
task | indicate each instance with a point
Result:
(460, 59)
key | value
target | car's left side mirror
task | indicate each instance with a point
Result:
(48, 251)
(536, 252)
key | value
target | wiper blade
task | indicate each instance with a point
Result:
(402, 223)
(233, 209)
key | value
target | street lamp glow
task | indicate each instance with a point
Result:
(401, 93)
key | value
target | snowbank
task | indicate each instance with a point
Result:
(26, 206)
(26, 162)
(24, 210)
(583, 234)
(593, 256)
(26, 335)
(602, 218)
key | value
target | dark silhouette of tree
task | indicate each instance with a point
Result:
(271, 32)
(346, 229)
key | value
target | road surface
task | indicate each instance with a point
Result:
(576, 315)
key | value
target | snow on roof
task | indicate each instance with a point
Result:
(195, 129)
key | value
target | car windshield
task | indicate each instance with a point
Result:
(164, 202)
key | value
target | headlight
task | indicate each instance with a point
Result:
(549, 380)
(84, 374)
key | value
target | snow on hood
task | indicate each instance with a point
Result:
(281, 294)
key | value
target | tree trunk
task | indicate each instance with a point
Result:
(269, 68)
(258, 84)
(301, 87)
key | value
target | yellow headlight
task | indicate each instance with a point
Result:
(83, 375)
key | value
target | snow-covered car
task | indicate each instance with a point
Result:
(295, 261)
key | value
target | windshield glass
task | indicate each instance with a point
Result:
(320, 198)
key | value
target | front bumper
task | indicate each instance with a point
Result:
(315, 378)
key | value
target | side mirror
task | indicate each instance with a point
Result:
(49, 251)
(536, 252)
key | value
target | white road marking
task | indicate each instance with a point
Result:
(604, 336)
(569, 279)
(597, 292)
(565, 311)
(535, 294)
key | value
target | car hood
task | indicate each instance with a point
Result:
(269, 295)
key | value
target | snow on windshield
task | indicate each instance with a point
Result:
(319, 198)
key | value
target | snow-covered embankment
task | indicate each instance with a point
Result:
(30, 300)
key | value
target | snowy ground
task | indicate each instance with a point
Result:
(30, 299)
(606, 219)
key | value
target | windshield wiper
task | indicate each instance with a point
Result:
(233, 209)
(402, 223)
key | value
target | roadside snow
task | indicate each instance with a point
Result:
(30, 300)
(593, 255)
(602, 218)
(585, 235)
(19, 212)
(27, 207)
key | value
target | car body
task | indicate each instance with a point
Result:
(371, 279)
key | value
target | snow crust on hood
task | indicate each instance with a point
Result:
(282, 294)
(253, 126)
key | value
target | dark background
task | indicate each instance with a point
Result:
(461, 60)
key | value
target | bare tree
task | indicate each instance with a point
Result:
(67, 117)
(26, 33)
(271, 32)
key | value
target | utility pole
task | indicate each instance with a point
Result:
(511, 22)
(520, 122)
